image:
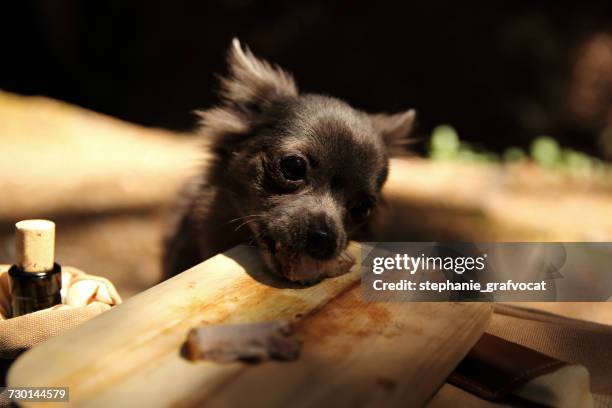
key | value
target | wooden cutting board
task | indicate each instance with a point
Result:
(354, 353)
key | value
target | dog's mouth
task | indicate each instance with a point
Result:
(299, 267)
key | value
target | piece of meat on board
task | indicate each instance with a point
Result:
(251, 342)
(303, 269)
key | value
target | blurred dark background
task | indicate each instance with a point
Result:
(501, 72)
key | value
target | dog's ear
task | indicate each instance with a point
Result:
(394, 129)
(251, 85)
(254, 83)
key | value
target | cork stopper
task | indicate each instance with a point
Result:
(35, 245)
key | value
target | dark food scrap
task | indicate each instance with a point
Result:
(252, 342)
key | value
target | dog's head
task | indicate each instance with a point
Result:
(304, 171)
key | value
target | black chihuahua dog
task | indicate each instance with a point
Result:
(301, 172)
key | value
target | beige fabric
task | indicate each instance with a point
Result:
(572, 340)
(575, 341)
(23, 332)
(84, 296)
(597, 312)
(453, 396)
(81, 289)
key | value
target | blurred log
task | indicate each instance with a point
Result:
(61, 159)
(488, 202)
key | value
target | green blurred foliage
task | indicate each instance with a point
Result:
(546, 152)
(446, 145)
(515, 154)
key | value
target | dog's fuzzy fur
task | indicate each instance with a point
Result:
(242, 196)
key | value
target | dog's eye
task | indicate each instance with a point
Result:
(361, 210)
(293, 167)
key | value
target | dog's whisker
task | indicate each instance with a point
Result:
(245, 217)
(247, 222)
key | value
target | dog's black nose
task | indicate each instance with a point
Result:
(321, 244)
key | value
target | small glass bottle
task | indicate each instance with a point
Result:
(35, 280)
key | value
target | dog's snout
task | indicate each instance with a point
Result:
(321, 243)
